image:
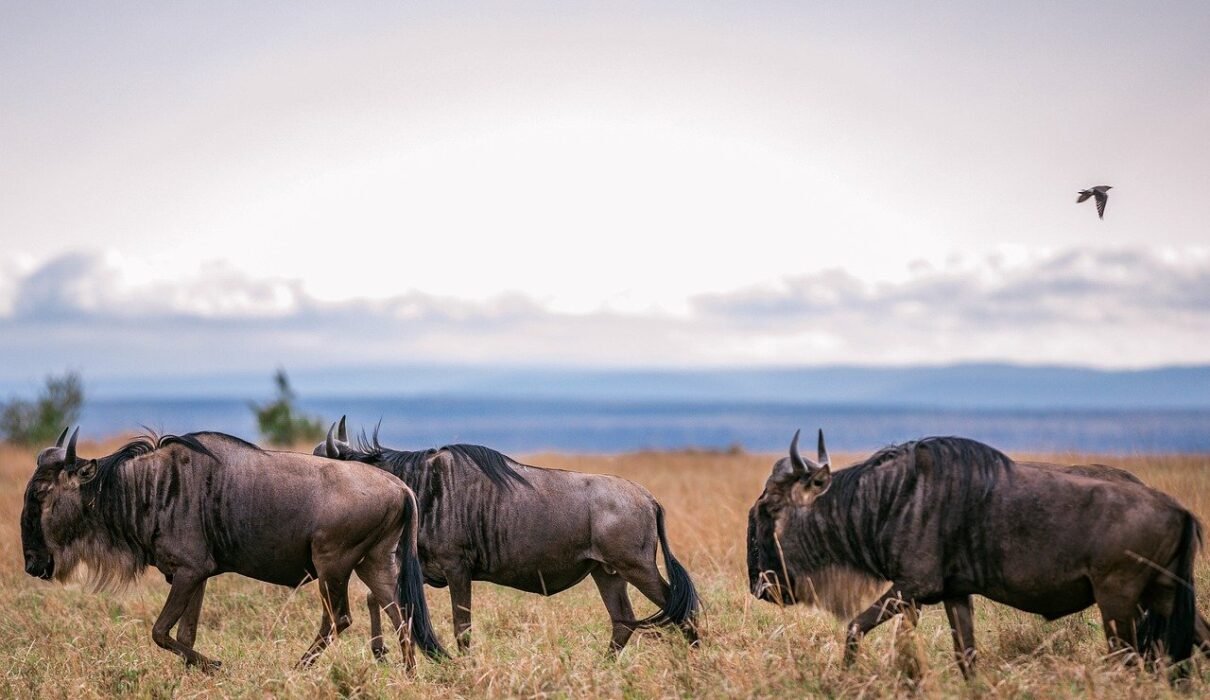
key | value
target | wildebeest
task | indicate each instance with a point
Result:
(964, 649)
(942, 519)
(202, 504)
(486, 517)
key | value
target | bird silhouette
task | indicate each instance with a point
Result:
(1101, 192)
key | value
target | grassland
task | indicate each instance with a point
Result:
(60, 641)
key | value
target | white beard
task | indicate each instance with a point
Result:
(841, 590)
(106, 568)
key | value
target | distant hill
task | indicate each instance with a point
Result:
(953, 386)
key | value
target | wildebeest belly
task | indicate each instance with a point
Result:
(544, 580)
(288, 564)
(1052, 602)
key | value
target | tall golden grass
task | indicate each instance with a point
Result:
(65, 642)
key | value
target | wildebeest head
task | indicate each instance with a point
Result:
(53, 505)
(795, 483)
(336, 444)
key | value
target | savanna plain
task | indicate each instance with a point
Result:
(58, 641)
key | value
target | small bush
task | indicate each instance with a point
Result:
(280, 422)
(39, 422)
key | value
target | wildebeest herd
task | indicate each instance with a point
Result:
(936, 520)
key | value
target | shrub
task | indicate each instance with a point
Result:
(39, 422)
(280, 422)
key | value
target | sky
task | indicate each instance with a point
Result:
(218, 187)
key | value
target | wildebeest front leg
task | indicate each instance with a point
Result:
(889, 605)
(185, 585)
(962, 626)
(460, 599)
(1201, 634)
(334, 595)
(617, 602)
(186, 631)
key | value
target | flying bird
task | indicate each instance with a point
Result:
(1101, 192)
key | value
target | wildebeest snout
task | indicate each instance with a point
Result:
(40, 566)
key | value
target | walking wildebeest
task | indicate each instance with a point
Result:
(941, 519)
(202, 504)
(486, 517)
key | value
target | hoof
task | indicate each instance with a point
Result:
(305, 662)
(205, 665)
(380, 654)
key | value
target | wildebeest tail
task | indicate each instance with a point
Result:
(682, 605)
(409, 588)
(1175, 633)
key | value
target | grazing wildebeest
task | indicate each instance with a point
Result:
(202, 504)
(964, 648)
(486, 517)
(942, 519)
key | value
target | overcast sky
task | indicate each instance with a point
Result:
(214, 187)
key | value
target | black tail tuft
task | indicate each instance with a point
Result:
(409, 588)
(1174, 634)
(683, 605)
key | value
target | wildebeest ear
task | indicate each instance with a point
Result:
(821, 479)
(810, 486)
(86, 471)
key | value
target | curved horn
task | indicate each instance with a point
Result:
(342, 432)
(823, 452)
(330, 442)
(70, 455)
(796, 461)
(62, 437)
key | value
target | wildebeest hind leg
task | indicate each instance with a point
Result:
(646, 578)
(378, 573)
(377, 647)
(334, 596)
(1119, 615)
(186, 631)
(184, 586)
(613, 594)
(962, 626)
(892, 603)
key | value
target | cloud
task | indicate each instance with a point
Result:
(101, 314)
(1071, 287)
(92, 286)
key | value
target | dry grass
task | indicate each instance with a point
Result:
(67, 642)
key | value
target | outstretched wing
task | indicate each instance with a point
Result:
(1102, 197)
(1084, 194)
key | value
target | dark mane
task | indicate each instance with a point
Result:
(494, 465)
(974, 464)
(947, 479)
(108, 495)
(192, 441)
(107, 467)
